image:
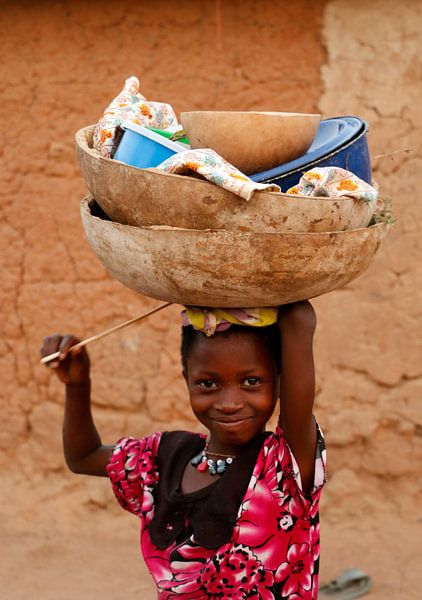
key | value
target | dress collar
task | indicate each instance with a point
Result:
(210, 512)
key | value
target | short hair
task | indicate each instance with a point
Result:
(270, 335)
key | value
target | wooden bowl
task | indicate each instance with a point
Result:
(227, 268)
(251, 141)
(143, 197)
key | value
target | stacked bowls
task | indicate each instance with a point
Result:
(185, 240)
(340, 142)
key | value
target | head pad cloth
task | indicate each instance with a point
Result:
(212, 320)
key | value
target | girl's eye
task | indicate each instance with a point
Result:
(208, 384)
(251, 382)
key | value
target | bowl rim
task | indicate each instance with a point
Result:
(271, 175)
(87, 201)
(145, 132)
(250, 112)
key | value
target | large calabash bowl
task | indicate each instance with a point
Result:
(144, 197)
(250, 138)
(227, 268)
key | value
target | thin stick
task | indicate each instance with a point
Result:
(391, 154)
(98, 336)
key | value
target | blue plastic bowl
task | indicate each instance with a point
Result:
(140, 147)
(339, 142)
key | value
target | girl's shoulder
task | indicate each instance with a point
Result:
(129, 451)
(278, 465)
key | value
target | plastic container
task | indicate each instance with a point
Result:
(339, 142)
(143, 148)
(169, 134)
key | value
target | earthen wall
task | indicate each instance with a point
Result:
(61, 63)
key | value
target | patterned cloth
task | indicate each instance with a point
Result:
(274, 550)
(332, 182)
(214, 168)
(210, 320)
(130, 105)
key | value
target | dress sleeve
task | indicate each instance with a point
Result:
(283, 471)
(133, 471)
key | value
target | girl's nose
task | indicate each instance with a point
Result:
(228, 402)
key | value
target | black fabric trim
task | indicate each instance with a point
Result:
(211, 511)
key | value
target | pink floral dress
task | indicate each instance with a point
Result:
(274, 549)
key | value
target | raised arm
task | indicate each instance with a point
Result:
(83, 450)
(297, 322)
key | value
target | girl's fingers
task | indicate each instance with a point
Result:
(57, 343)
(65, 345)
(50, 344)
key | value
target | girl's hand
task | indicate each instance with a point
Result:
(72, 366)
(299, 315)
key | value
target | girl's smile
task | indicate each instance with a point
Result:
(233, 386)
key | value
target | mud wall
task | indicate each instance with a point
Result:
(369, 341)
(61, 64)
(65, 62)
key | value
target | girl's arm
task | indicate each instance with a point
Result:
(297, 322)
(83, 450)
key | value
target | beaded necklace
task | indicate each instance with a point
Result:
(203, 462)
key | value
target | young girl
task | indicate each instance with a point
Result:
(234, 514)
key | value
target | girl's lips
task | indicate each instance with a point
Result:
(229, 422)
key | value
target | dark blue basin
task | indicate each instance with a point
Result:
(339, 142)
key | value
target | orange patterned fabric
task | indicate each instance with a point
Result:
(131, 105)
(332, 182)
(216, 169)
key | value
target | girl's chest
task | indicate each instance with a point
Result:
(193, 480)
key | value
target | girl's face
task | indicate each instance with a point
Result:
(233, 387)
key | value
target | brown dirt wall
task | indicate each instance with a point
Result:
(61, 64)
(370, 344)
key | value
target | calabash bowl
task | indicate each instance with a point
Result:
(145, 197)
(247, 139)
(226, 268)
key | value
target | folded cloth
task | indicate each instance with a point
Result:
(212, 166)
(130, 105)
(212, 320)
(333, 181)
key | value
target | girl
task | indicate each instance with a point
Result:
(234, 514)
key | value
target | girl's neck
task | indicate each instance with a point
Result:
(223, 449)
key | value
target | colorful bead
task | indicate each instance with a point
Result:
(203, 462)
(196, 459)
(203, 466)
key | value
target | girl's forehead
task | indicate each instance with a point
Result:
(238, 348)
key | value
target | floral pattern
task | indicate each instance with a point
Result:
(131, 105)
(217, 170)
(332, 182)
(274, 550)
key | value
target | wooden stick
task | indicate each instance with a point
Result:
(98, 336)
(391, 154)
